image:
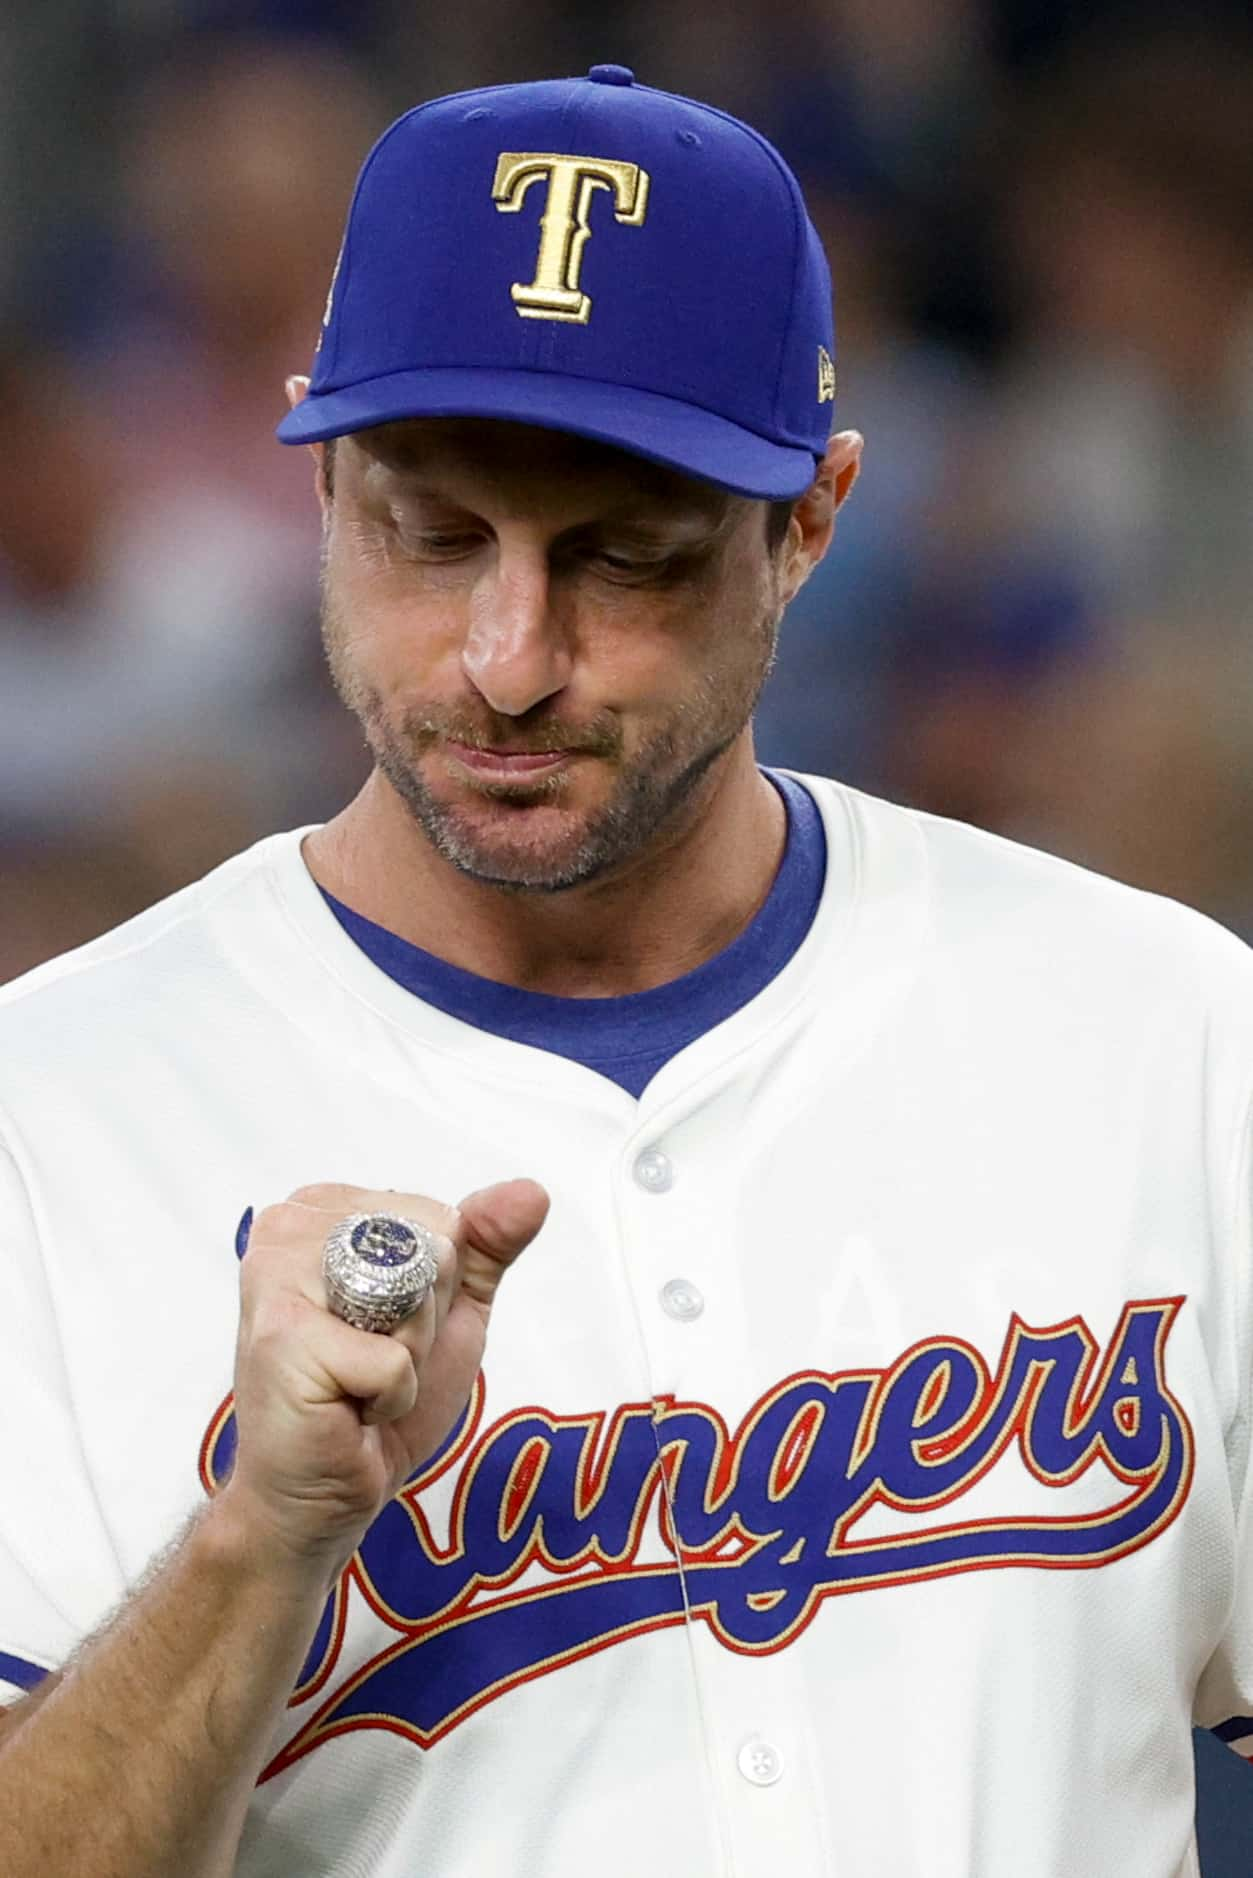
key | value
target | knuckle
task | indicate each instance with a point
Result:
(256, 1280)
(273, 1323)
(266, 1223)
(250, 1285)
(322, 1193)
(435, 1215)
(414, 1333)
(397, 1366)
(283, 1223)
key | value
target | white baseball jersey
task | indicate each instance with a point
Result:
(857, 1478)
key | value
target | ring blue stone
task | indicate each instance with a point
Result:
(383, 1240)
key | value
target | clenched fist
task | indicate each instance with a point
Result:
(332, 1420)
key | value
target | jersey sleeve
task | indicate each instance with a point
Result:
(58, 1570)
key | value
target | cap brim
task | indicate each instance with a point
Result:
(662, 430)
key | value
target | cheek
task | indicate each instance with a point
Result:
(402, 636)
(638, 662)
(724, 626)
(648, 654)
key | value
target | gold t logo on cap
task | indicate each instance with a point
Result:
(554, 294)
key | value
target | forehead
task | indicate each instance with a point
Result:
(486, 460)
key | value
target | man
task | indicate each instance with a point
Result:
(854, 1480)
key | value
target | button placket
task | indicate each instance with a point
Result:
(666, 1229)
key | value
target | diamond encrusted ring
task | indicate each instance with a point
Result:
(378, 1268)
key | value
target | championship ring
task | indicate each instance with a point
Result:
(378, 1269)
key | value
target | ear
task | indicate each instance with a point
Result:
(813, 519)
(297, 389)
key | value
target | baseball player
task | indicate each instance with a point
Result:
(852, 1476)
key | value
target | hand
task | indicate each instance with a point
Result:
(332, 1420)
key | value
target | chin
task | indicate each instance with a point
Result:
(561, 831)
(534, 869)
(522, 841)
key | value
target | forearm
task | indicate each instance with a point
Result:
(141, 1761)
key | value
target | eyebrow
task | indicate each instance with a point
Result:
(404, 457)
(644, 511)
(693, 526)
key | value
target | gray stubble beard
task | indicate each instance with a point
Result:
(649, 795)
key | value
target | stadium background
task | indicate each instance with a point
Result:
(1037, 615)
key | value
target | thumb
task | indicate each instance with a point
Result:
(496, 1223)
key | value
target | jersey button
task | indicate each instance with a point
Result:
(653, 1171)
(681, 1300)
(612, 75)
(760, 1762)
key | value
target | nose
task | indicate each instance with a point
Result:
(516, 651)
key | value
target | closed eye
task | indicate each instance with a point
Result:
(434, 544)
(627, 567)
(629, 563)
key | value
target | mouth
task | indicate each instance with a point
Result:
(500, 764)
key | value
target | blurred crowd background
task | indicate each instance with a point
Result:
(1037, 614)
(1040, 219)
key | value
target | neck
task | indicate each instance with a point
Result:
(669, 910)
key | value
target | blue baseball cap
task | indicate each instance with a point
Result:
(587, 255)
